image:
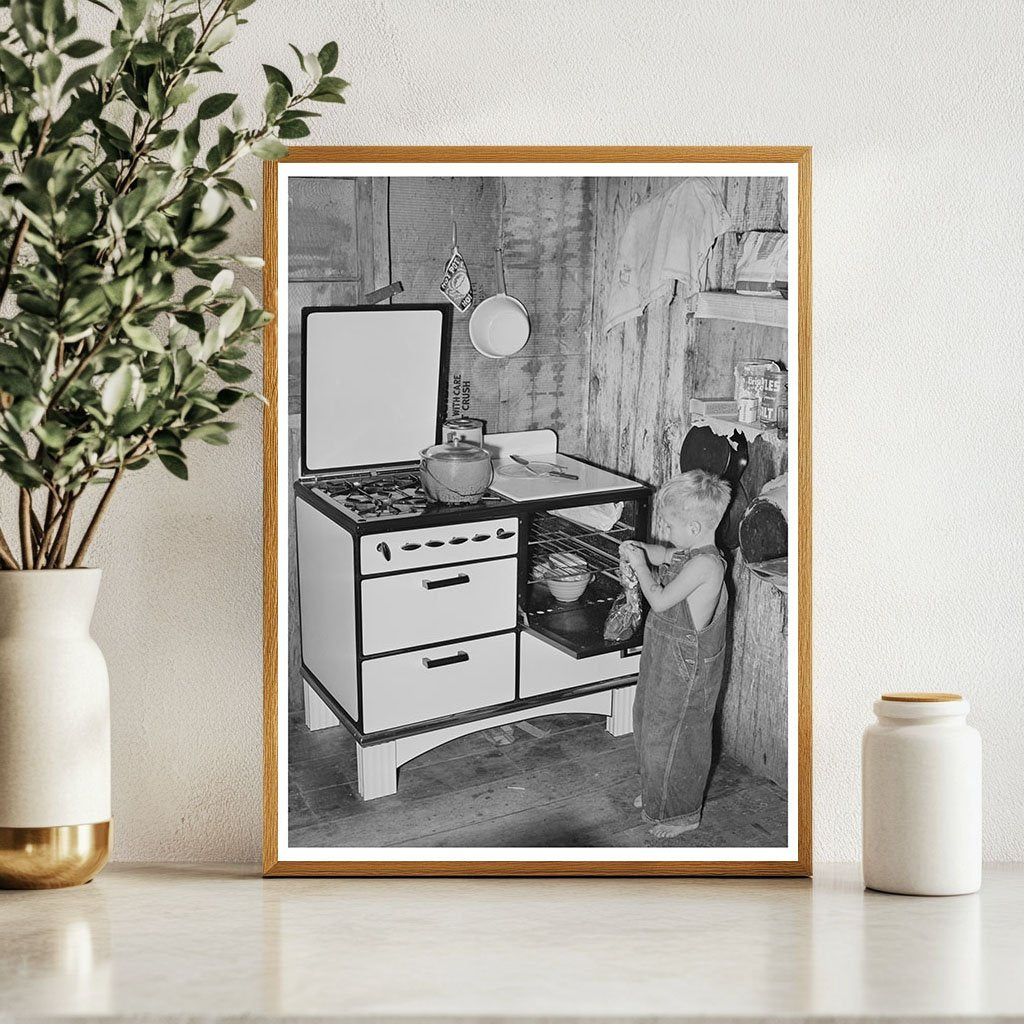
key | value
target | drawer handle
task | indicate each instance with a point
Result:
(505, 534)
(452, 659)
(451, 581)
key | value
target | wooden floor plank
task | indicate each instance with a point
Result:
(575, 822)
(751, 817)
(397, 818)
(571, 786)
(327, 757)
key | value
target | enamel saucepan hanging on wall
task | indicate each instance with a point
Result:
(500, 325)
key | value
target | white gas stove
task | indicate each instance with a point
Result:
(420, 622)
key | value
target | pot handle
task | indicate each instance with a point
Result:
(499, 270)
(425, 466)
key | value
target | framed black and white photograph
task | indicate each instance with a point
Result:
(537, 511)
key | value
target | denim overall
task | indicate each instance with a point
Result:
(677, 690)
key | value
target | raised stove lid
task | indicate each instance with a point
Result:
(373, 384)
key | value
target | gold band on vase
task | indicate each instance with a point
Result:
(52, 857)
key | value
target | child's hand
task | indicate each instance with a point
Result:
(632, 554)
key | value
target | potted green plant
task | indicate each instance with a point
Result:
(122, 342)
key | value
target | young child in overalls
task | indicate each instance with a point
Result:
(683, 653)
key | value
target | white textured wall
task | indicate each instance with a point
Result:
(913, 110)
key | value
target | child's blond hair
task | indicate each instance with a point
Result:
(697, 493)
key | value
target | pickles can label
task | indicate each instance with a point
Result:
(776, 384)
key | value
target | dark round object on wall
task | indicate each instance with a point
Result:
(764, 532)
(704, 449)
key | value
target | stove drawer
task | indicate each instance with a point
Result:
(545, 669)
(397, 550)
(405, 688)
(436, 605)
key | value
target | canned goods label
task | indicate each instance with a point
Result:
(776, 384)
(750, 377)
(748, 410)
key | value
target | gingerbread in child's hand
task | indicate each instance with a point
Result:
(632, 554)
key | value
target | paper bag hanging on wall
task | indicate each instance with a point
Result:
(455, 284)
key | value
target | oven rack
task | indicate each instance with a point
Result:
(599, 549)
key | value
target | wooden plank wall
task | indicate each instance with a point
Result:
(294, 659)
(546, 228)
(754, 724)
(642, 376)
(323, 264)
(349, 236)
(338, 250)
(644, 372)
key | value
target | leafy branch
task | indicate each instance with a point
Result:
(116, 194)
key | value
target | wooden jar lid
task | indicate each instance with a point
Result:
(921, 698)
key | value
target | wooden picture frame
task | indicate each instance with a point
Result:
(279, 858)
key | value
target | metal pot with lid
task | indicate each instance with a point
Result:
(456, 472)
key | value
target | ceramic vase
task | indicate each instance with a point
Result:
(54, 731)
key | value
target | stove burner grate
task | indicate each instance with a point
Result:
(380, 495)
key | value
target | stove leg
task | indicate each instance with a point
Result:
(620, 721)
(318, 714)
(378, 770)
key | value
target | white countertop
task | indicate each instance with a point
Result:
(180, 941)
(525, 486)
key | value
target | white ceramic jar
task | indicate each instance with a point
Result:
(921, 777)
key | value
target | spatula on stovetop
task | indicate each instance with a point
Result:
(550, 472)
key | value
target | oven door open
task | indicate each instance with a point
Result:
(569, 581)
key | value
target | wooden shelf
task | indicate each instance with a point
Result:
(749, 309)
(725, 426)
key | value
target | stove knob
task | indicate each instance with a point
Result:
(383, 548)
(504, 534)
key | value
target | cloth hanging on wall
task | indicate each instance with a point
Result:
(666, 240)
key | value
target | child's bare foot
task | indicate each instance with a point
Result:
(639, 801)
(665, 831)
